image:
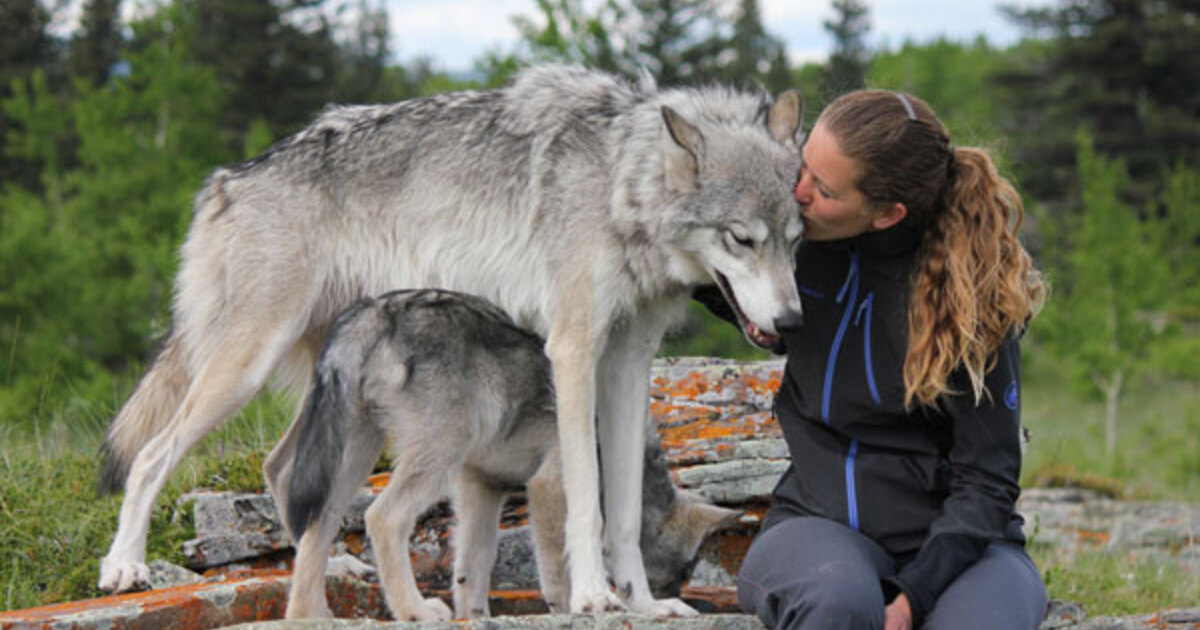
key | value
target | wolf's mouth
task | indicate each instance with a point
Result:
(756, 336)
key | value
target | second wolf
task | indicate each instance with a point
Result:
(463, 400)
(584, 207)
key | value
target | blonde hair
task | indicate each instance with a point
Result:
(974, 284)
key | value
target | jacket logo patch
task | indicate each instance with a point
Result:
(1012, 396)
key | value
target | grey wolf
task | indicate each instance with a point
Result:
(585, 207)
(463, 399)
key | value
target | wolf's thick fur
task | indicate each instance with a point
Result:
(464, 400)
(585, 208)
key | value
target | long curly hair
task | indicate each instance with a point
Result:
(974, 284)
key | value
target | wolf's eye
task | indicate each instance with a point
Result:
(733, 240)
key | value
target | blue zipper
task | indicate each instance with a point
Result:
(867, 305)
(810, 292)
(850, 285)
(851, 490)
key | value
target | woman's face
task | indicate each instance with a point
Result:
(834, 208)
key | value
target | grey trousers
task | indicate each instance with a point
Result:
(810, 573)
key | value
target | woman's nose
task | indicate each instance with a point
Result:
(803, 190)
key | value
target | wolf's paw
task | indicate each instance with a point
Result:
(432, 609)
(600, 601)
(346, 565)
(119, 576)
(663, 608)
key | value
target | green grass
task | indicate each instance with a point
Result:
(1158, 446)
(1115, 584)
(54, 528)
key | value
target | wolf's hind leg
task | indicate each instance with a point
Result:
(418, 481)
(547, 515)
(240, 366)
(307, 596)
(478, 507)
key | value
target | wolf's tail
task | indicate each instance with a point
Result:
(330, 408)
(147, 411)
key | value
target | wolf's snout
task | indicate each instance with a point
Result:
(790, 321)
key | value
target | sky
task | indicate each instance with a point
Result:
(454, 33)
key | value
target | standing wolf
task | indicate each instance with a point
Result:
(584, 207)
(464, 400)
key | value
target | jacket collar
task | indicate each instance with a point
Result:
(900, 240)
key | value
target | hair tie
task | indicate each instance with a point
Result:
(912, 113)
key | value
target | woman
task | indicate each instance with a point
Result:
(901, 398)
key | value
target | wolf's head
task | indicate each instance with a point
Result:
(741, 225)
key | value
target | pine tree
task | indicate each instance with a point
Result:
(90, 260)
(847, 67)
(1125, 69)
(25, 45)
(1110, 281)
(756, 54)
(275, 61)
(96, 47)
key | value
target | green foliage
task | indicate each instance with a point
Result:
(1118, 67)
(1107, 279)
(1106, 276)
(91, 258)
(257, 140)
(95, 47)
(954, 78)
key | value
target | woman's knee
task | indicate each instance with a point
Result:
(807, 605)
(794, 590)
(1003, 590)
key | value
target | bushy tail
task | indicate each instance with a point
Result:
(328, 413)
(147, 411)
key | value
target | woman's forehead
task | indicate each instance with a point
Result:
(824, 159)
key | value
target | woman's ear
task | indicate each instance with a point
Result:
(890, 216)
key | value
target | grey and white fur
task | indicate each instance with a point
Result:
(584, 207)
(463, 400)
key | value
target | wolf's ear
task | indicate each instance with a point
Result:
(714, 518)
(785, 121)
(684, 154)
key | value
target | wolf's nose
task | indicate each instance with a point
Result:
(790, 321)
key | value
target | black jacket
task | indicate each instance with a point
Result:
(932, 486)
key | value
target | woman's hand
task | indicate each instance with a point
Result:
(898, 614)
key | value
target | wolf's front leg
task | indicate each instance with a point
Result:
(571, 347)
(624, 381)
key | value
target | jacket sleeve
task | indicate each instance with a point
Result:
(985, 468)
